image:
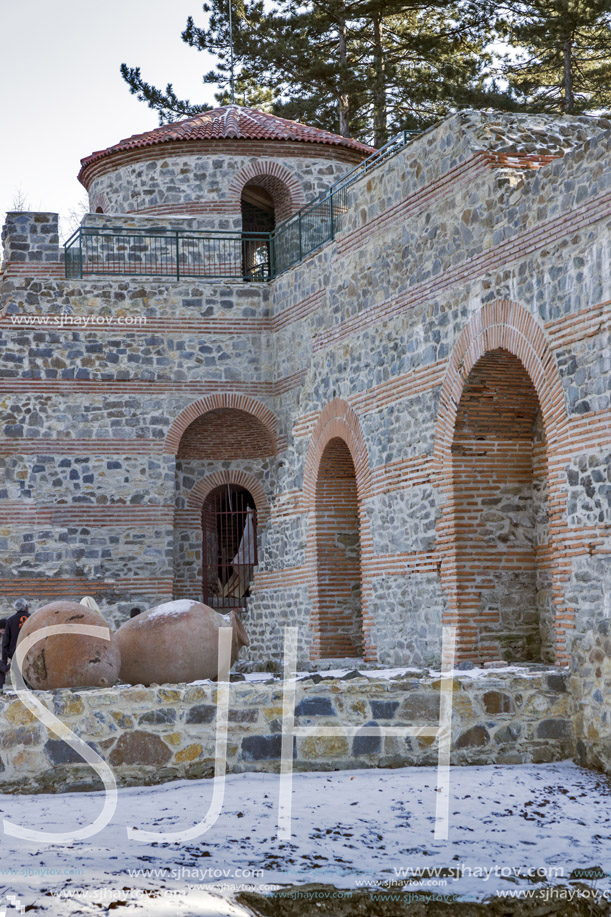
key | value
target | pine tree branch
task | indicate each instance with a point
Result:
(166, 104)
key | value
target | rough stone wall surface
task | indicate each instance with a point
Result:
(473, 238)
(413, 318)
(432, 328)
(589, 684)
(150, 735)
(88, 494)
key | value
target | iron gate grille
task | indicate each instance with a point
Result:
(229, 540)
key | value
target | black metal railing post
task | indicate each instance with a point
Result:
(300, 238)
(272, 258)
(177, 257)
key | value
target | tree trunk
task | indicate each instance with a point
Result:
(569, 98)
(344, 97)
(379, 83)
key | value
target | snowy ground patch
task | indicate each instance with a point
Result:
(509, 826)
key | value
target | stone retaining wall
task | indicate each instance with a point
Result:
(589, 683)
(151, 735)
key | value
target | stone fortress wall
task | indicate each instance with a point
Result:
(409, 301)
(454, 337)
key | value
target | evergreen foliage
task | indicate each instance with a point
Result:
(368, 68)
(564, 54)
(165, 103)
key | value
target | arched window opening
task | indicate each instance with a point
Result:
(338, 554)
(501, 526)
(229, 540)
(258, 212)
(99, 210)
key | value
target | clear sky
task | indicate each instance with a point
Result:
(63, 96)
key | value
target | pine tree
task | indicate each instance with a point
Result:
(366, 67)
(166, 103)
(360, 68)
(310, 58)
(425, 60)
(563, 52)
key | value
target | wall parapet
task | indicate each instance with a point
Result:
(30, 243)
(167, 732)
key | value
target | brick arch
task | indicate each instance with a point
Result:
(337, 421)
(505, 325)
(501, 325)
(200, 491)
(98, 199)
(281, 183)
(214, 402)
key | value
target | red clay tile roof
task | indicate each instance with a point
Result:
(230, 122)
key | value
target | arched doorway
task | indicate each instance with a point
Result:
(338, 553)
(258, 209)
(229, 546)
(500, 515)
(258, 221)
(219, 440)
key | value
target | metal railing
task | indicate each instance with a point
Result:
(217, 255)
(168, 253)
(319, 221)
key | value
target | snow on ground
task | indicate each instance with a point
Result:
(350, 828)
(389, 674)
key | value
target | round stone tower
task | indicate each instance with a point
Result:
(230, 168)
